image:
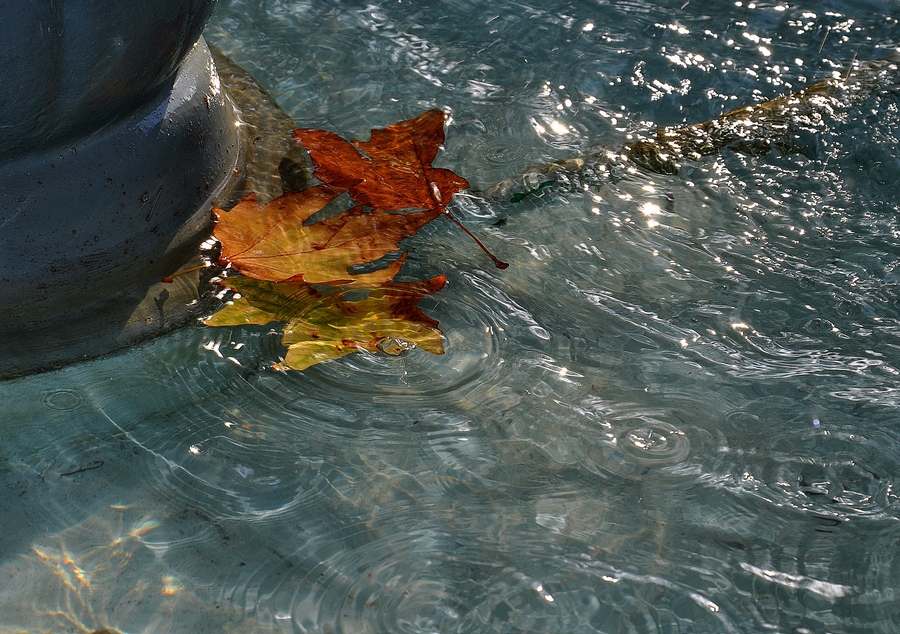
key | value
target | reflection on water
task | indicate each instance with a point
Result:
(675, 411)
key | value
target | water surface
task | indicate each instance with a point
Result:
(675, 412)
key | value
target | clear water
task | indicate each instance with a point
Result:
(677, 411)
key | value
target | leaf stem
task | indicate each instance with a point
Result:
(500, 264)
(168, 279)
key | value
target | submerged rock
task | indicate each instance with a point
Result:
(755, 129)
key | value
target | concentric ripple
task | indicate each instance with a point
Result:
(671, 442)
(473, 338)
(64, 400)
(428, 581)
(654, 444)
(394, 594)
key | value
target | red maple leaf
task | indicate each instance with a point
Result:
(390, 171)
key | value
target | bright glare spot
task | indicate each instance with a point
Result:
(588, 27)
(650, 209)
(539, 128)
(738, 325)
(558, 127)
(649, 188)
(563, 371)
(194, 449)
(652, 224)
(684, 343)
(171, 586)
(213, 346)
(539, 588)
(674, 27)
(765, 51)
(145, 527)
(595, 211)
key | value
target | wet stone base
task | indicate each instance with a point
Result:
(269, 163)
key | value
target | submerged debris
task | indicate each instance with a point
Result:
(754, 129)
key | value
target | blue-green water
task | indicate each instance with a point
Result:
(676, 412)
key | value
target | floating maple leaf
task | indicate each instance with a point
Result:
(324, 324)
(280, 253)
(395, 170)
(392, 170)
(274, 243)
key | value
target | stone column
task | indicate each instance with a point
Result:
(115, 137)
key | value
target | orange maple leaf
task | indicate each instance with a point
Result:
(273, 242)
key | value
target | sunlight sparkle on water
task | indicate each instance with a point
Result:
(650, 209)
(558, 127)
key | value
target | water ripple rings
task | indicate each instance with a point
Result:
(473, 338)
(654, 444)
(643, 449)
(387, 584)
(423, 581)
(808, 468)
(65, 400)
(214, 432)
